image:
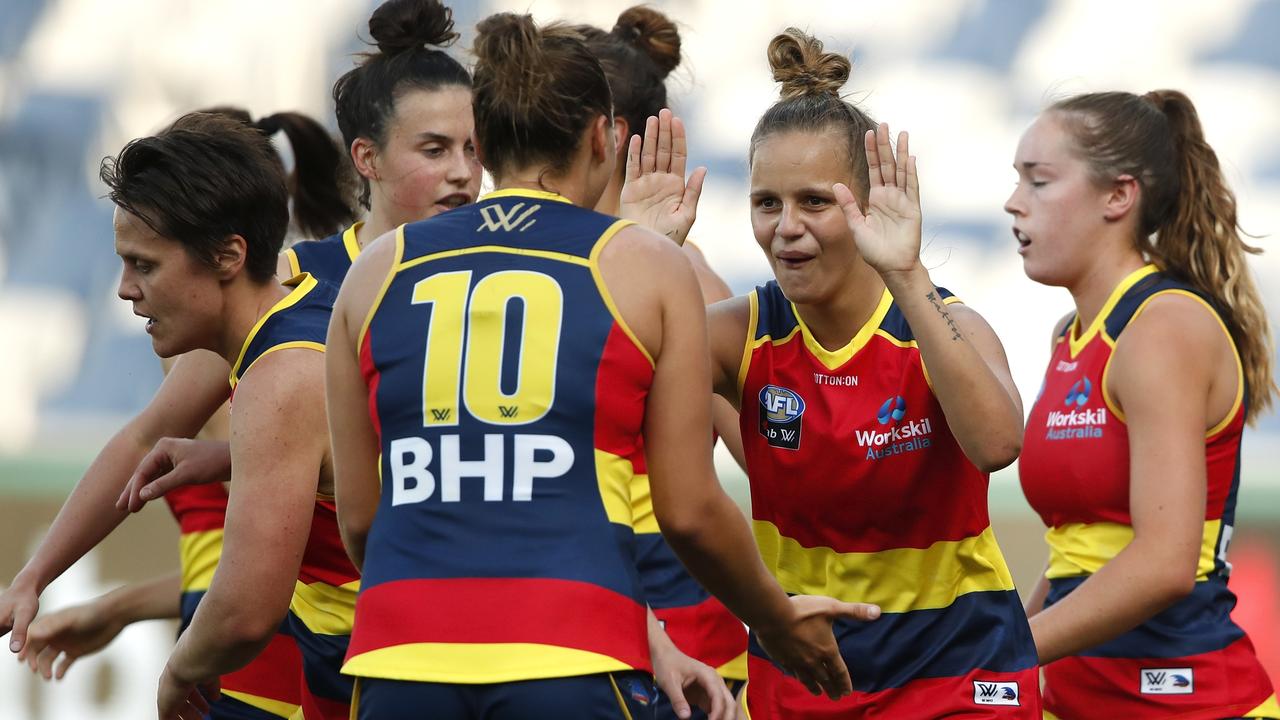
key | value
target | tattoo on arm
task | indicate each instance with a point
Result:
(942, 310)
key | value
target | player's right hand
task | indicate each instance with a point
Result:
(19, 604)
(805, 646)
(175, 462)
(655, 193)
(71, 633)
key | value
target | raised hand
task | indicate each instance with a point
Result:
(655, 193)
(806, 647)
(888, 234)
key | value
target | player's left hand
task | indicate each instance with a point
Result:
(888, 234)
(685, 680)
(172, 463)
(182, 700)
(655, 193)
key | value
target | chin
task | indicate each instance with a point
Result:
(1044, 273)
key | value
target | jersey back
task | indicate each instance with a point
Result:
(327, 259)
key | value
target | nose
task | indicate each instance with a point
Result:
(128, 288)
(1013, 205)
(463, 168)
(789, 223)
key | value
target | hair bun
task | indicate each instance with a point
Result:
(798, 62)
(401, 25)
(653, 33)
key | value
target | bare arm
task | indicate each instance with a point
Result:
(278, 445)
(187, 397)
(1035, 601)
(1163, 348)
(724, 418)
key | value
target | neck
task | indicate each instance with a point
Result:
(1092, 289)
(245, 302)
(611, 201)
(376, 224)
(571, 185)
(836, 320)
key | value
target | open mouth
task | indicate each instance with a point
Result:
(792, 261)
(151, 322)
(456, 200)
(1023, 240)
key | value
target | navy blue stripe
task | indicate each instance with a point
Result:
(663, 578)
(322, 657)
(1198, 623)
(326, 259)
(190, 600)
(980, 630)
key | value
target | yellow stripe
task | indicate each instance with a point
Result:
(478, 663)
(386, 283)
(1083, 548)
(750, 343)
(613, 475)
(528, 193)
(742, 700)
(1270, 708)
(502, 249)
(292, 257)
(594, 263)
(833, 359)
(302, 284)
(325, 609)
(1078, 341)
(1049, 716)
(617, 694)
(735, 669)
(275, 707)
(643, 521)
(198, 553)
(898, 580)
(355, 700)
(350, 242)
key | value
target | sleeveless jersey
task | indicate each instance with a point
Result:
(508, 396)
(860, 492)
(1190, 660)
(327, 259)
(323, 603)
(699, 624)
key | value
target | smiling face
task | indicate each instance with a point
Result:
(794, 214)
(1059, 212)
(428, 164)
(180, 296)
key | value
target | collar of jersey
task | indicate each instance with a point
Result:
(302, 284)
(350, 242)
(526, 192)
(1077, 342)
(833, 359)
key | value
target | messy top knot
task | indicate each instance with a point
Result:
(798, 62)
(401, 25)
(653, 34)
(536, 90)
(408, 34)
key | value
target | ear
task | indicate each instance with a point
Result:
(1122, 198)
(603, 147)
(621, 133)
(232, 256)
(364, 155)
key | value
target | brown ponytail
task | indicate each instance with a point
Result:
(637, 55)
(1188, 222)
(320, 205)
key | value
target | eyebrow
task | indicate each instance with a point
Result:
(1032, 164)
(433, 137)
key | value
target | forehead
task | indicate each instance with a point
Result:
(794, 159)
(1045, 141)
(135, 238)
(442, 111)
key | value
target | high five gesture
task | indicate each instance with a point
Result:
(888, 234)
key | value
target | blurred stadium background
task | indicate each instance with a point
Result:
(78, 78)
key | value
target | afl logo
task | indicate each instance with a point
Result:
(781, 414)
(1079, 393)
(893, 410)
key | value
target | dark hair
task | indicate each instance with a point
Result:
(407, 33)
(536, 90)
(637, 55)
(1187, 222)
(811, 82)
(201, 180)
(319, 183)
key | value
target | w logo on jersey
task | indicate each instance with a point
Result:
(990, 692)
(1079, 393)
(893, 410)
(1167, 681)
(500, 219)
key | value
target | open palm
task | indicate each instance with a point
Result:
(888, 234)
(655, 193)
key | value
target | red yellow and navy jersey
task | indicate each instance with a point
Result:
(323, 604)
(327, 259)
(699, 624)
(1190, 660)
(860, 492)
(508, 396)
(268, 686)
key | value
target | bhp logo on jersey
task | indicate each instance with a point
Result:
(781, 414)
(898, 439)
(1076, 424)
(1167, 681)
(990, 692)
(532, 457)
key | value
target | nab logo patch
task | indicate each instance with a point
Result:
(995, 693)
(1079, 393)
(1167, 681)
(781, 413)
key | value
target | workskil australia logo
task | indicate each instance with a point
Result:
(901, 437)
(781, 414)
(1076, 423)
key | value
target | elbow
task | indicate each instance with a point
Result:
(1172, 586)
(997, 453)
(247, 629)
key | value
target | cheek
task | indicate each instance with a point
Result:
(763, 226)
(414, 183)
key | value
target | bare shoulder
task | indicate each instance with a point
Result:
(281, 381)
(1174, 324)
(636, 244)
